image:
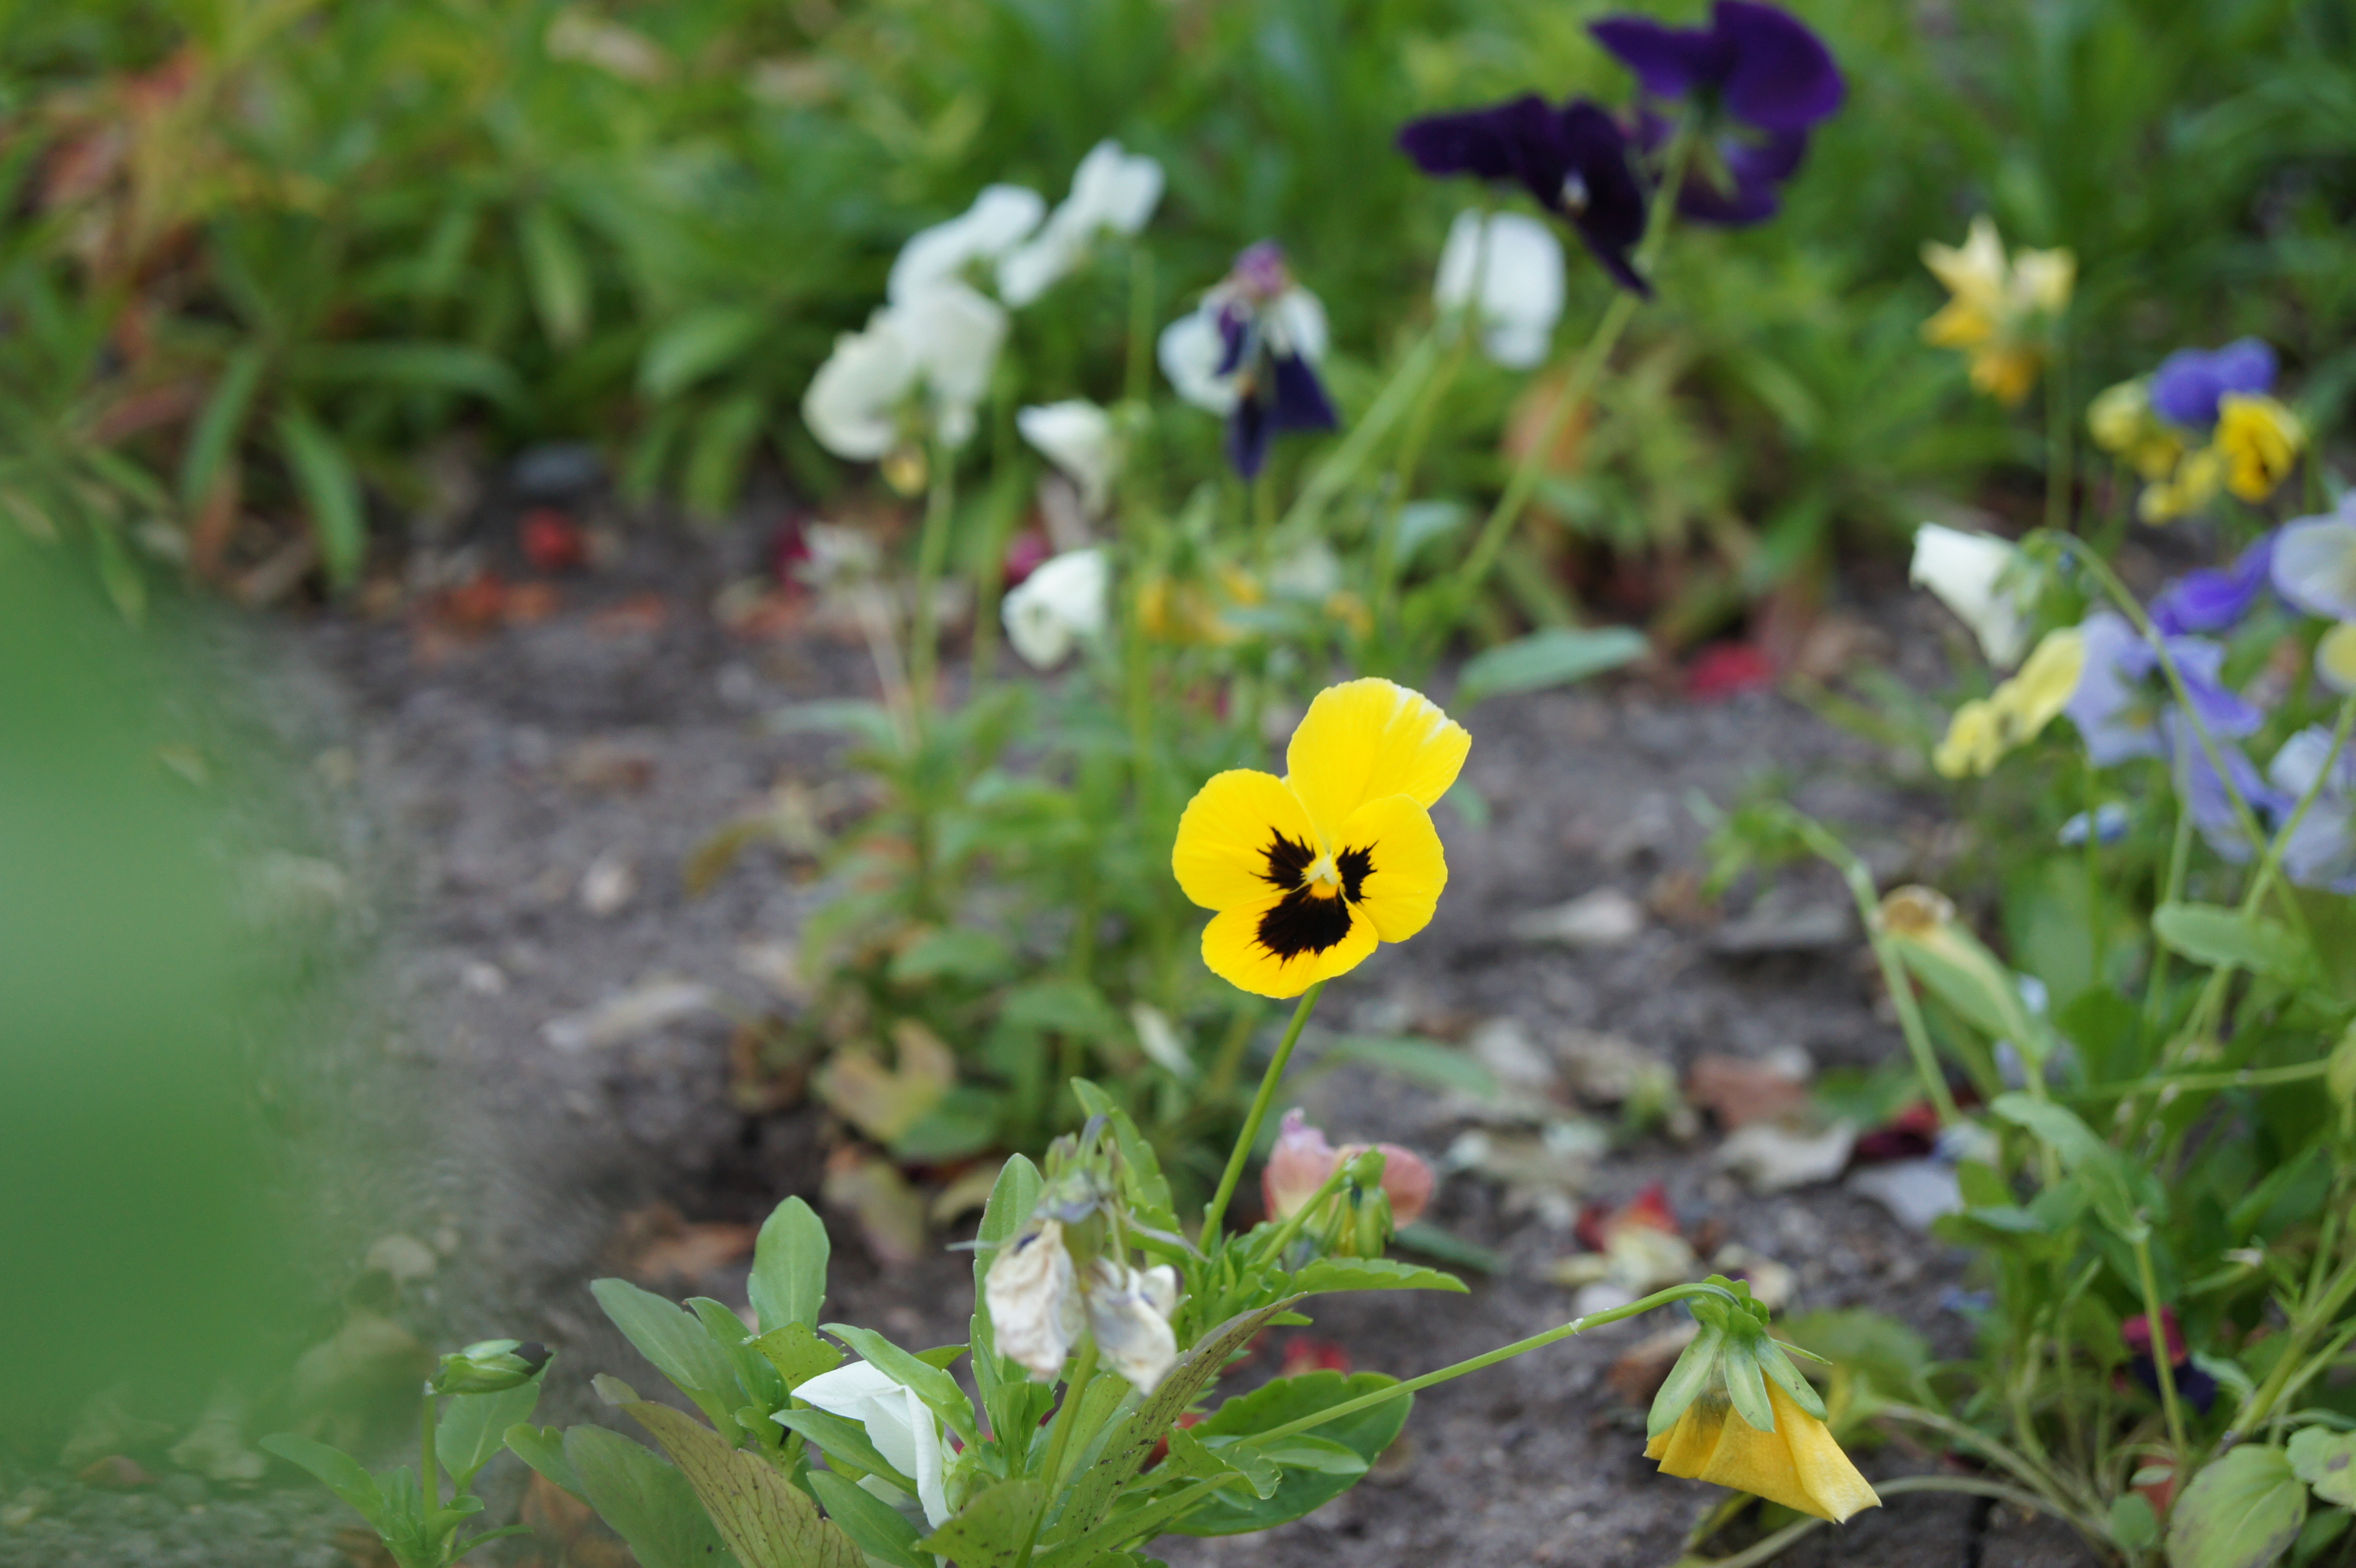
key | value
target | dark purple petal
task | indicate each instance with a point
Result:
(1247, 433)
(2186, 387)
(2215, 599)
(1299, 402)
(1755, 173)
(1520, 140)
(1600, 194)
(1234, 336)
(1783, 78)
(1668, 62)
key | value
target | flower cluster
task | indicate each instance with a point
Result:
(1062, 1276)
(923, 364)
(2002, 308)
(1756, 82)
(1352, 1217)
(2204, 421)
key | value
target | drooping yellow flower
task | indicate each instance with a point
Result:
(2193, 486)
(1985, 729)
(2260, 441)
(1310, 872)
(1797, 1465)
(2122, 421)
(2001, 308)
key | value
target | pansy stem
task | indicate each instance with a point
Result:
(2162, 1355)
(932, 545)
(1250, 1136)
(1058, 1439)
(1341, 467)
(429, 1463)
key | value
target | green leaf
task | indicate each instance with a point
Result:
(1371, 1273)
(335, 1469)
(717, 457)
(473, 1428)
(1188, 1457)
(990, 1531)
(2326, 1461)
(845, 1440)
(755, 1374)
(2340, 1069)
(649, 1503)
(218, 427)
(766, 1520)
(2323, 1526)
(420, 367)
(1555, 656)
(543, 1448)
(1012, 1197)
(871, 721)
(1067, 1006)
(958, 951)
(1311, 1478)
(1258, 1472)
(1421, 1060)
(1432, 1242)
(557, 274)
(330, 491)
(2221, 937)
(929, 1383)
(2242, 1509)
(798, 1353)
(2132, 1524)
(675, 1341)
(1889, 1355)
(703, 341)
(1148, 1189)
(788, 1282)
(874, 1526)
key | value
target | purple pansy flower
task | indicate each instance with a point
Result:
(1249, 351)
(2213, 600)
(2321, 851)
(1572, 160)
(2187, 386)
(2206, 800)
(2123, 699)
(1759, 64)
(1738, 180)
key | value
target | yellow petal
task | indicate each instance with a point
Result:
(1220, 856)
(2260, 440)
(2335, 658)
(1824, 1472)
(1235, 945)
(1404, 867)
(1797, 1465)
(1972, 743)
(1364, 740)
(2035, 697)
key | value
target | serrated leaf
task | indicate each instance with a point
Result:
(765, 1520)
(650, 1504)
(1187, 1456)
(1371, 1273)
(2221, 937)
(1555, 656)
(990, 1531)
(790, 1261)
(2243, 1507)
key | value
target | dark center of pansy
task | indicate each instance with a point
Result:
(1314, 913)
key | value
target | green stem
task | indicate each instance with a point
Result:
(2060, 460)
(1341, 469)
(2154, 993)
(429, 1463)
(2315, 1314)
(2148, 1279)
(1272, 1247)
(1250, 1134)
(1076, 1387)
(1137, 382)
(932, 545)
(2229, 1078)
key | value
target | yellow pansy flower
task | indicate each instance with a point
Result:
(1999, 307)
(1797, 1463)
(1311, 871)
(2193, 486)
(2123, 424)
(1985, 729)
(2259, 440)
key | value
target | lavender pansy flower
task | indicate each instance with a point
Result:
(1759, 64)
(1572, 160)
(2315, 563)
(2321, 850)
(2215, 599)
(2203, 793)
(2123, 699)
(2186, 388)
(1249, 351)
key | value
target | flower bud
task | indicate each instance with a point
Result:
(1032, 1291)
(490, 1366)
(1303, 1161)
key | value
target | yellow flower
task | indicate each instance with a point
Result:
(1999, 307)
(2260, 441)
(2122, 422)
(2193, 486)
(2335, 658)
(1983, 729)
(1309, 872)
(1797, 1465)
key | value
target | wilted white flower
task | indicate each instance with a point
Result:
(1517, 295)
(902, 1426)
(1110, 190)
(1967, 572)
(1000, 217)
(1063, 599)
(1034, 1294)
(1129, 1312)
(1077, 437)
(941, 341)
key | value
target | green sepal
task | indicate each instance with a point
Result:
(1778, 1366)
(1693, 1373)
(1744, 1385)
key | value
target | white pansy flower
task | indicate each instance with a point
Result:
(1111, 191)
(1967, 572)
(1077, 437)
(1000, 217)
(903, 1428)
(1194, 348)
(1129, 1312)
(1517, 295)
(941, 341)
(1062, 600)
(1034, 1295)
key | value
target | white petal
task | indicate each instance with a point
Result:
(850, 405)
(1077, 437)
(927, 1470)
(1190, 350)
(1027, 272)
(953, 333)
(1295, 323)
(2315, 564)
(839, 1393)
(1965, 572)
(1519, 285)
(1000, 217)
(1063, 599)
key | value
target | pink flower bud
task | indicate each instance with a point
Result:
(1303, 1160)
